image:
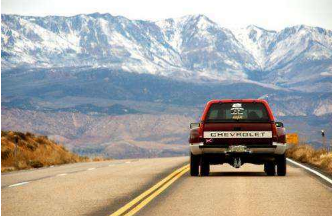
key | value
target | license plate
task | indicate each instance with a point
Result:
(238, 149)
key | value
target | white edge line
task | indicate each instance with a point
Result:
(91, 169)
(63, 174)
(311, 170)
(18, 184)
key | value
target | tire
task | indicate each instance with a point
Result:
(281, 165)
(269, 169)
(205, 167)
(194, 165)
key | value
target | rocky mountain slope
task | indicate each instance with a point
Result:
(104, 84)
(190, 48)
(90, 91)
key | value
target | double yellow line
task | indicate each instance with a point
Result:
(143, 199)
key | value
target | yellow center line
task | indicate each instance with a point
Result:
(156, 193)
(149, 191)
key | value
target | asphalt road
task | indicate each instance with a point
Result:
(97, 188)
(245, 191)
(100, 188)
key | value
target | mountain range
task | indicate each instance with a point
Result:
(111, 86)
(191, 48)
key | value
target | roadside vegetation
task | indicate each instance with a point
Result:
(306, 154)
(33, 152)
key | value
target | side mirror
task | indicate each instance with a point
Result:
(279, 124)
(194, 125)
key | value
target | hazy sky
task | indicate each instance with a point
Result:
(268, 14)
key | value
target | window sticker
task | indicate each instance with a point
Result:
(237, 111)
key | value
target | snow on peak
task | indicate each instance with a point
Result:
(255, 40)
(191, 45)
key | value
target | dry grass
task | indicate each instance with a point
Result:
(98, 159)
(33, 152)
(307, 154)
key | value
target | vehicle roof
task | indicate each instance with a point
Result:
(238, 100)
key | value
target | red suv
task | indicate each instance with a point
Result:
(237, 132)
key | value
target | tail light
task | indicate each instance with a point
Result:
(196, 135)
(274, 133)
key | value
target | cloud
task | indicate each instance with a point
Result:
(326, 74)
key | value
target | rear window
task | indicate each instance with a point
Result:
(237, 112)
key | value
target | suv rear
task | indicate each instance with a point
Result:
(237, 132)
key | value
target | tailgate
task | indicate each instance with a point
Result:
(249, 134)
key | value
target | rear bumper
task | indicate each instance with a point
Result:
(275, 148)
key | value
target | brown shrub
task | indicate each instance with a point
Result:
(35, 164)
(307, 154)
(33, 152)
(98, 159)
(28, 134)
(42, 140)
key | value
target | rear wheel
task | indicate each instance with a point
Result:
(194, 165)
(205, 167)
(269, 168)
(281, 165)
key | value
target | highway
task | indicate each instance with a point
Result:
(161, 186)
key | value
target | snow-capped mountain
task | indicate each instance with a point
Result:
(256, 41)
(190, 48)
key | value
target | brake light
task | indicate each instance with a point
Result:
(200, 131)
(196, 135)
(274, 132)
